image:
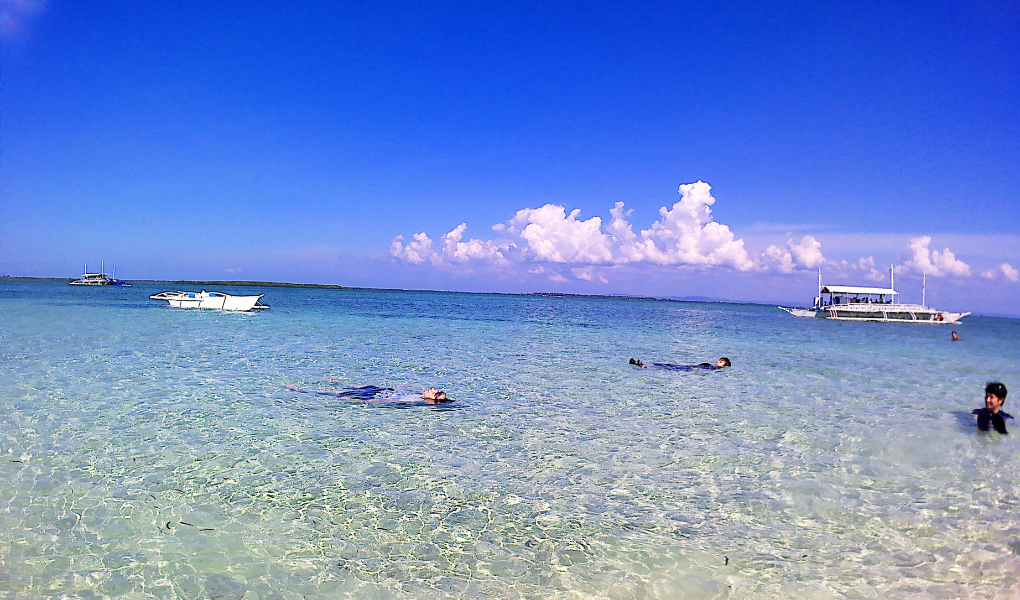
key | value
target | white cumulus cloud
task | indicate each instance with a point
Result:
(551, 274)
(416, 251)
(780, 258)
(551, 235)
(454, 249)
(934, 262)
(588, 274)
(867, 265)
(688, 235)
(684, 234)
(808, 252)
(1010, 273)
(474, 249)
(1005, 270)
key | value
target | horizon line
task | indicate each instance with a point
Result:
(330, 286)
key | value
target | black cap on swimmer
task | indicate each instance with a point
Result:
(725, 361)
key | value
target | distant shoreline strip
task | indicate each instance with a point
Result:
(327, 286)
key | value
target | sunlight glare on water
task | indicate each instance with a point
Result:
(150, 451)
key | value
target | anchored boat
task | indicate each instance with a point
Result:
(215, 300)
(99, 278)
(854, 303)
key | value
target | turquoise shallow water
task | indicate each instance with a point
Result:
(153, 452)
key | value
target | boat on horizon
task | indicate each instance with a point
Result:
(859, 303)
(213, 300)
(100, 278)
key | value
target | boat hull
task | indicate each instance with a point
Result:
(928, 317)
(210, 300)
(881, 313)
(97, 283)
(801, 312)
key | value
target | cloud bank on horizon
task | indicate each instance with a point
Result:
(556, 243)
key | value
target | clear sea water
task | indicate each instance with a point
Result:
(155, 452)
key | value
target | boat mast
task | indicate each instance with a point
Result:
(924, 285)
(892, 281)
(818, 298)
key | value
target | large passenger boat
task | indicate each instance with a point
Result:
(855, 303)
(99, 278)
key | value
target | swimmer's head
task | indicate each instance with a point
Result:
(995, 395)
(722, 362)
(434, 396)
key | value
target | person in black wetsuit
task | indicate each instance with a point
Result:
(991, 414)
(374, 393)
(722, 363)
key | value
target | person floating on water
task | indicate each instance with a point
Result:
(722, 363)
(956, 338)
(992, 414)
(373, 393)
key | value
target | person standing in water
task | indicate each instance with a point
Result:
(992, 414)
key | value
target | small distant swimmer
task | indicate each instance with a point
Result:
(722, 363)
(991, 414)
(956, 338)
(373, 393)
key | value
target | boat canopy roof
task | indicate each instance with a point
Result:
(850, 289)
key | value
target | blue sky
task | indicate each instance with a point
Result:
(297, 141)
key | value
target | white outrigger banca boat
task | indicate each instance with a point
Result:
(216, 300)
(99, 278)
(853, 303)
